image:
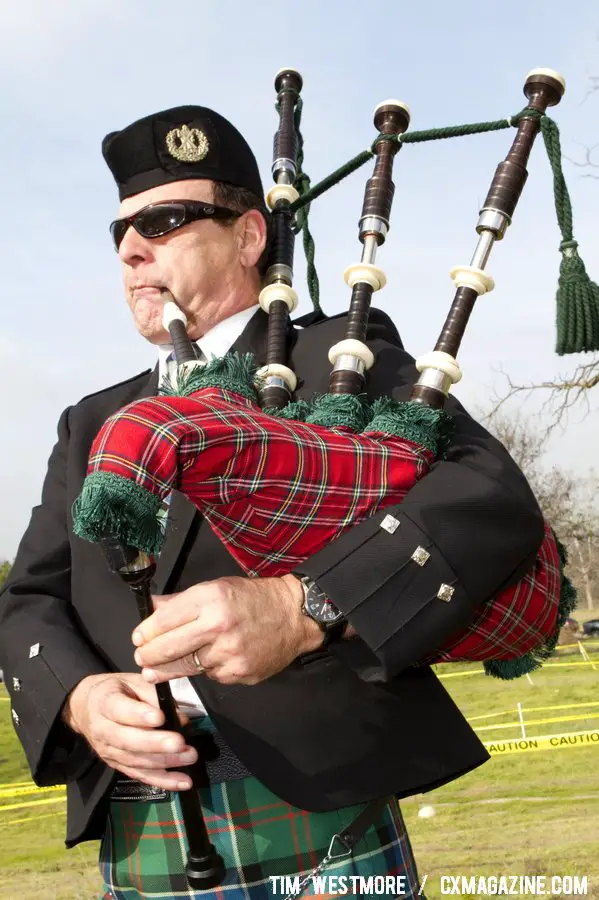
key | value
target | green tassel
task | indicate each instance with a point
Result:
(431, 428)
(340, 411)
(231, 372)
(507, 669)
(577, 296)
(111, 504)
(577, 305)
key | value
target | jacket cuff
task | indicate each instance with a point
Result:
(396, 589)
(38, 690)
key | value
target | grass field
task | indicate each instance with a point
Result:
(529, 813)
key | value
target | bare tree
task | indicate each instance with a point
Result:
(568, 501)
(564, 393)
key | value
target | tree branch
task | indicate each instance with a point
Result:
(565, 392)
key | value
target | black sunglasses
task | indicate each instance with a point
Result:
(158, 219)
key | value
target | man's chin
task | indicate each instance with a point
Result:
(147, 316)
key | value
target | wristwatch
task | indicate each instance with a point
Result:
(318, 607)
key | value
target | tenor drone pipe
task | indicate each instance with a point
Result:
(278, 298)
(351, 357)
(439, 369)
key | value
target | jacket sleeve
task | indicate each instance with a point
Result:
(473, 514)
(43, 652)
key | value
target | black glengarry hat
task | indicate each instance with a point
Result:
(177, 144)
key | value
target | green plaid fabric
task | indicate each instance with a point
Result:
(144, 850)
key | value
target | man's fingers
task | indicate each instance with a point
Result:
(186, 665)
(166, 648)
(160, 778)
(137, 706)
(137, 740)
(125, 710)
(237, 671)
(170, 611)
(153, 760)
(183, 668)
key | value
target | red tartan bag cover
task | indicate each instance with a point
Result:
(277, 490)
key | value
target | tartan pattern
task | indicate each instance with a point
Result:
(144, 849)
(277, 491)
(262, 482)
(517, 619)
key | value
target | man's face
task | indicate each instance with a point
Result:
(209, 268)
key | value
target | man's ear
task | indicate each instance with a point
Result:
(251, 237)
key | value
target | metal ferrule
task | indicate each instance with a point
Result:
(374, 224)
(369, 250)
(493, 220)
(139, 564)
(279, 272)
(483, 249)
(348, 363)
(284, 167)
(434, 378)
(275, 381)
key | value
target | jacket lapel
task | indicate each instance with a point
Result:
(181, 511)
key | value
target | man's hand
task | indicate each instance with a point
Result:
(118, 715)
(243, 630)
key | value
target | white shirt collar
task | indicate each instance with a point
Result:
(216, 342)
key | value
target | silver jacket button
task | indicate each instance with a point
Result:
(390, 524)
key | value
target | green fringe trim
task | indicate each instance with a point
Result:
(340, 411)
(232, 372)
(431, 428)
(111, 504)
(534, 659)
(296, 411)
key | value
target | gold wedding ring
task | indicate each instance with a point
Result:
(200, 668)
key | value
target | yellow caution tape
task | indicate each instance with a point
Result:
(544, 742)
(583, 642)
(582, 662)
(461, 674)
(33, 789)
(563, 706)
(32, 803)
(561, 665)
(527, 709)
(529, 722)
(16, 784)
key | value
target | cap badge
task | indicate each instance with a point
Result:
(187, 144)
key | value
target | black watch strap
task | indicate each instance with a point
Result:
(332, 631)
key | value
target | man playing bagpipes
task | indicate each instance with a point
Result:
(303, 695)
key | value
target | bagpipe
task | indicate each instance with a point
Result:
(277, 478)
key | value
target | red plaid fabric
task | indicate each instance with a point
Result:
(517, 619)
(277, 491)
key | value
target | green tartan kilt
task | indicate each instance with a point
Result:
(144, 849)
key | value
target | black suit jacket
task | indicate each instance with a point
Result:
(336, 727)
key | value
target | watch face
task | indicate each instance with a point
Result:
(320, 608)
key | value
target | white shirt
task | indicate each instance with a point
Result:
(214, 343)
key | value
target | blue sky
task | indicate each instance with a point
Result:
(72, 71)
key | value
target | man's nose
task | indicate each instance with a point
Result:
(134, 248)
